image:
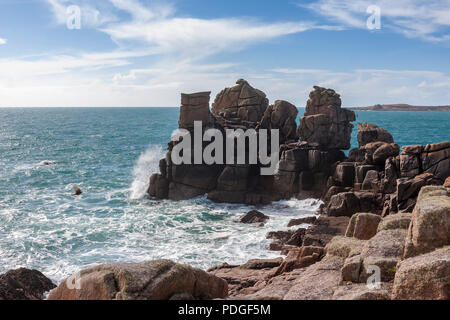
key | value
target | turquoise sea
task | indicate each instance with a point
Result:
(110, 153)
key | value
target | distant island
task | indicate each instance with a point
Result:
(401, 107)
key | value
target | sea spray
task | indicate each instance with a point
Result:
(147, 164)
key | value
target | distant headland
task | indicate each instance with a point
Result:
(401, 107)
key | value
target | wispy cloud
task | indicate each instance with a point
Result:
(3, 41)
(425, 19)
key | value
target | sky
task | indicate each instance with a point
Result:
(144, 53)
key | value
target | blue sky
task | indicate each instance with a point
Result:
(145, 53)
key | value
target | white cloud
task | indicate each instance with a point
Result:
(173, 46)
(426, 19)
(3, 41)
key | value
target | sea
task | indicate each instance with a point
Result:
(110, 154)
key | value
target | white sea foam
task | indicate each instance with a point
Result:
(147, 164)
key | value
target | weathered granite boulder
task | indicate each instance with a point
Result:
(282, 115)
(430, 222)
(152, 280)
(241, 104)
(363, 226)
(395, 221)
(24, 284)
(344, 247)
(384, 250)
(424, 277)
(194, 107)
(325, 124)
(369, 132)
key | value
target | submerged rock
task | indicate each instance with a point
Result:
(254, 216)
(77, 191)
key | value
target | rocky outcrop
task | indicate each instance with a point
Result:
(424, 277)
(325, 123)
(152, 280)
(430, 222)
(24, 284)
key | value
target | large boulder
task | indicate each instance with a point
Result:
(384, 250)
(430, 221)
(282, 115)
(24, 284)
(325, 124)
(424, 277)
(369, 132)
(241, 104)
(363, 226)
(395, 221)
(152, 280)
(194, 107)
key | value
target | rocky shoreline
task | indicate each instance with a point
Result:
(385, 212)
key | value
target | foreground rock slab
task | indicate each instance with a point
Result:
(430, 222)
(425, 277)
(24, 284)
(152, 280)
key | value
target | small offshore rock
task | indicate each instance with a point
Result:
(254, 216)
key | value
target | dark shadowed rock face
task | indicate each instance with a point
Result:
(152, 280)
(24, 284)
(282, 115)
(325, 123)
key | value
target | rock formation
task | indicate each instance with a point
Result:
(325, 124)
